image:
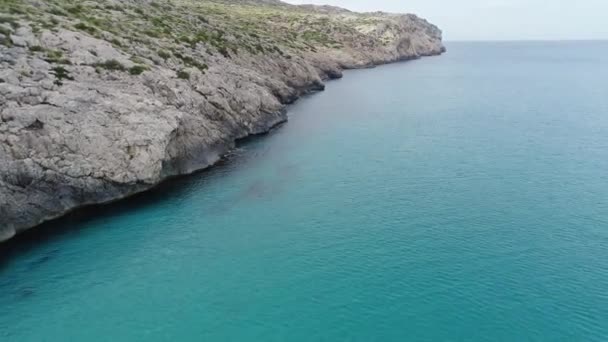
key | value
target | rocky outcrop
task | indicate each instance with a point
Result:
(94, 109)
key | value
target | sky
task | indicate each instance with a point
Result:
(498, 19)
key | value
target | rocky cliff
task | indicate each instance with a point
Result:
(102, 99)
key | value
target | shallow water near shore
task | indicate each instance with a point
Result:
(460, 197)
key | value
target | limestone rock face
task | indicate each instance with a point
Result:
(105, 99)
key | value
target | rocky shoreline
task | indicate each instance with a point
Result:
(90, 114)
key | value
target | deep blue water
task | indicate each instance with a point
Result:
(453, 198)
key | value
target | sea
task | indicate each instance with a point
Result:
(462, 197)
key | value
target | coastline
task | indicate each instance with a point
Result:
(91, 116)
(216, 158)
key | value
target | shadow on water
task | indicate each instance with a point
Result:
(167, 190)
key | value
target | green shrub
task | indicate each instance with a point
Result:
(186, 59)
(36, 48)
(184, 75)
(164, 54)
(6, 40)
(111, 64)
(57, 11)
(75, 9)
(17, 10)
(184, 39)
(85, 27)
(61, 74)
(152, 33)
(156, 21)
(224, 51)
(114, 8)
(189, 61)
(137, 69)
(202, 36)
(56, 56)
(9, 20)
(4, 31)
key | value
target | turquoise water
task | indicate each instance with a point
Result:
(461, 197)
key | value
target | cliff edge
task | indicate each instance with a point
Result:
(103, 99)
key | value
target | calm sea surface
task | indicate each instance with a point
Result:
(453, 198)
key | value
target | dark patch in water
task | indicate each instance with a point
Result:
(219, 208)
(258, 189)
(25, 292)
(287, 171)
(264, 188)
(43, 259)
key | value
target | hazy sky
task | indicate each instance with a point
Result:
(498, 19)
